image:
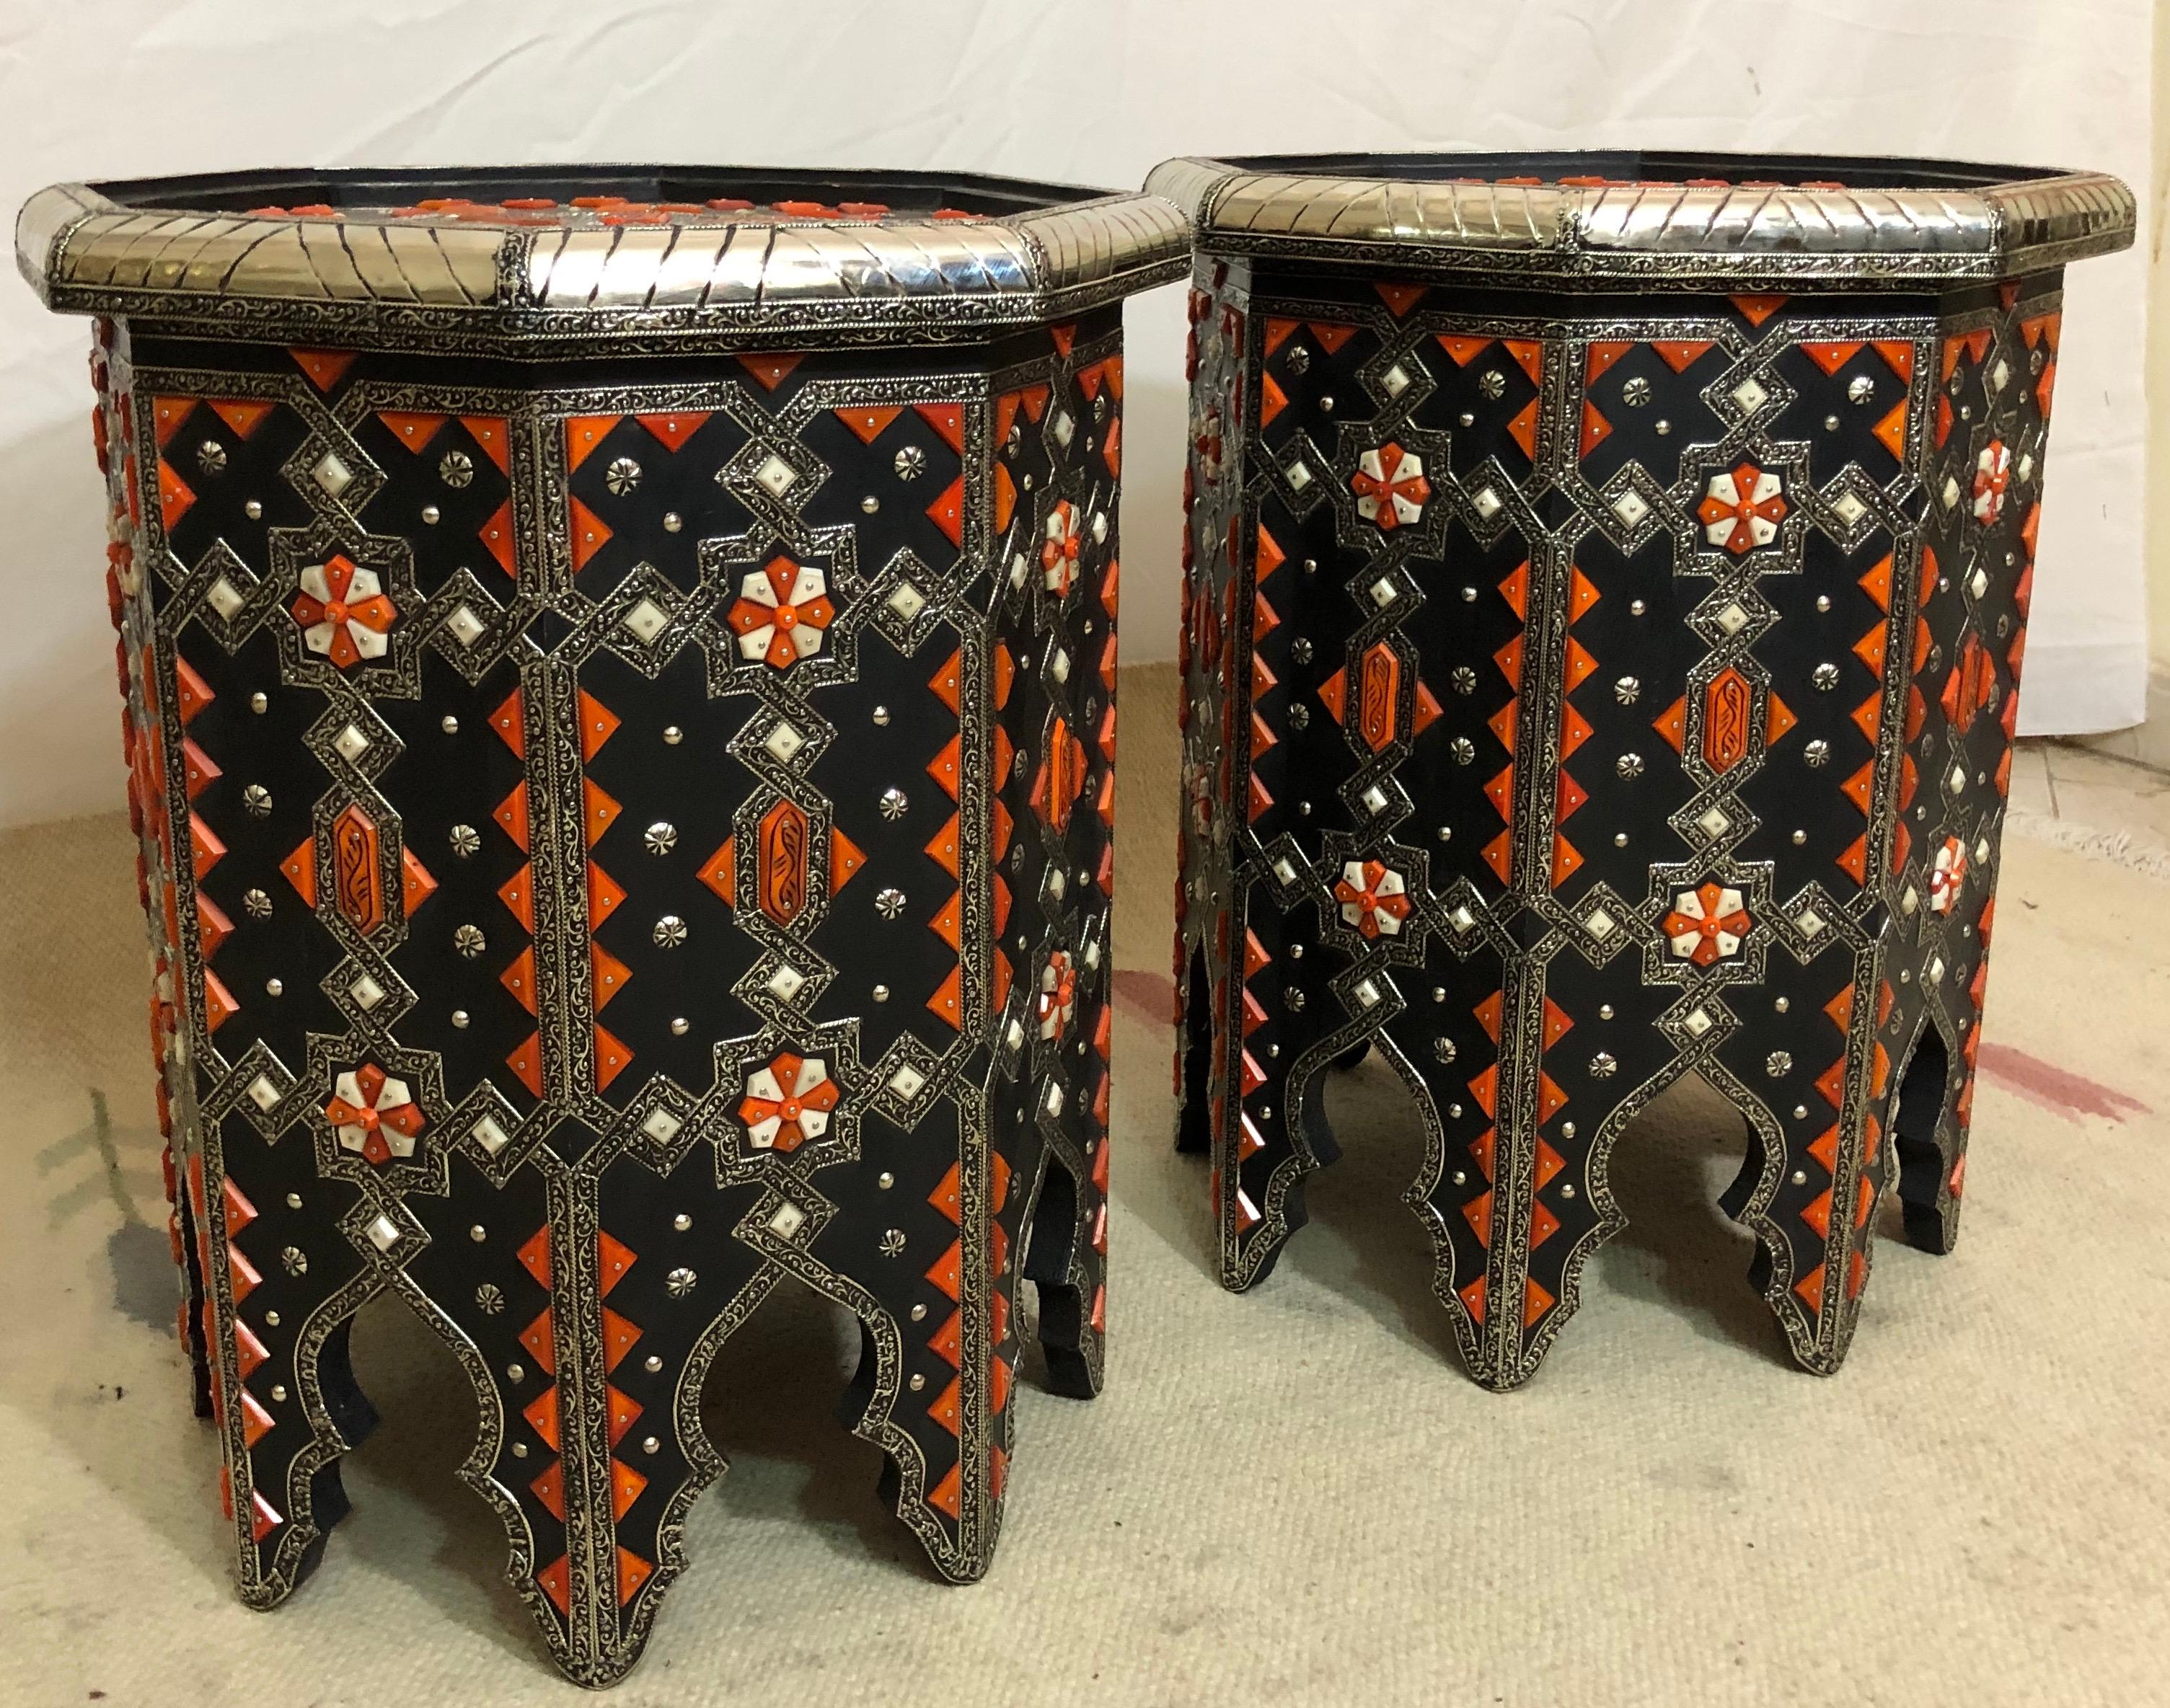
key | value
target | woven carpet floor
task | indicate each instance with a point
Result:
(1291, 1496)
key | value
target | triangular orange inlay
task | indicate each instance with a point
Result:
(770, 369)
(673, 430)
(323, 367)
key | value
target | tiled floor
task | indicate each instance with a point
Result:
(2108, 806)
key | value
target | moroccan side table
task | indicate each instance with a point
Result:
(620, 676)
(1607, 580)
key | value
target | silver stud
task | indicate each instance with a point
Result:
(1830, 424)
(672, 735)
(1567, 1190)
(1628, 690)
(1782, 1005)
(260, 703)
(910, 462)
(278, 1391)
(519, 1448)
(1629, 765)
(449, 725)
(253, 510)
(670, 931)
(1493, 384)
(1800, 1176)
(881, 717)
(271, 1319)
(460, 1019)
(1469, 596)
(1860, 390)
(621, 477)
(650, 1444)
(1817, 753)
(469, 941)
(1605, 1010)
(660, 838)
(918, 1313)
(1823, 601)
(652, 1364)
(680, 1282)
(682, 1221)
(918, 1382)
(273, 987)
(673, 521)
(1664, 428)
(1602, 1066)
(430, 513)
(1464, 751)
(889, 903)
(870, 504)
(294, 1261)
(1446, 833)
(892, 1242)
(516, 1373)
(489, 1298)
(478, 1233)
(1461, 1176)
(680, 1026)
(894, 805)
(1778, 1063)
(293, 1200)
(210, 456)
(257, 799)
(1636, 393)
(456, 468)
(1636, 606)
(885, 1180)
(1825, 677)
(1443, 1049)
(881, 993)
(466, 842)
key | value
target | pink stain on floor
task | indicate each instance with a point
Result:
(2058, 1090)
(1147, 996)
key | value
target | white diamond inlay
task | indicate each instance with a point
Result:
(262, 1093)
(1811, 922)
(1059, 666)
(1850, 507)
(1714, 823)
(226, 599)
(786, 982)
(1979, 585)
(777, 476)
(1462, 919)
(1909, 901)
(1630, 507)
(1065, 429)
(1383, 593)
(787, 1220)
(489, 1136)
(366, 991)
(647, 620)
(1375, 797)
(1951, 492)
(661, 1125)
(1751, 395)
(331, 474)
(1396, 380)
(906, 1082)
(1299, 476)
(1053, 1101)
(383, 1233)
(784, 741)
(1600, 924)
(1697, 1024)
(466, 626)
(1486, 502)
(907, 602)
(1733, 619)
(351, 743)
(1284, 871)
(1367, 993)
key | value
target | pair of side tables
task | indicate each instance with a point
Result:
(619, 675)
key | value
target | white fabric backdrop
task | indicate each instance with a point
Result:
(1090, 91)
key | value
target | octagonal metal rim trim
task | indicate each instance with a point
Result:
(524, 290)
(1655, 235)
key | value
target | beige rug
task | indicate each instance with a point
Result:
(1288, 1497)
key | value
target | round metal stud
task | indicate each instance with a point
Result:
(672, 735)
(682, 1221)
(273, 987)
(430, 513)
(670, 931)
(260, 703)
(253, 510)
(460, 1019)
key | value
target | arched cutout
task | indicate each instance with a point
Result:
(1917, 1111)
(1051, 1241)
